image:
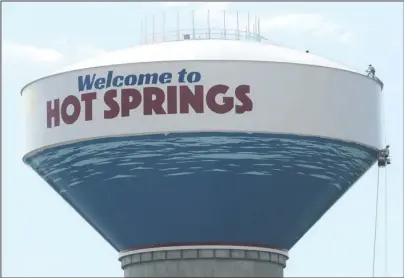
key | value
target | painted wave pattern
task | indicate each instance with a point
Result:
(233, 188)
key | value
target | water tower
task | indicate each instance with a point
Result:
(209, 153)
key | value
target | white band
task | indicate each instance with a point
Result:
(192, 247)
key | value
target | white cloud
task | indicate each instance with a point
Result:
(309, 24)
(59, 52)
(76, 51)
(41, 61)
(84, 51)
(14, 50)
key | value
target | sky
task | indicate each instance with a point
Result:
(42, 236)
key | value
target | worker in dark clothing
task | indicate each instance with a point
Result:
(371, 71)
(384, 157)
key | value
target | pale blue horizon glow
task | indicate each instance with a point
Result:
(44, 237)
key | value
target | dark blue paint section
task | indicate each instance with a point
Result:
(230, 188)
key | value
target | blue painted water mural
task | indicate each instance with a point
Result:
(229, 188)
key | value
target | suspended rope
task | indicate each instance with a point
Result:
(386, 236)
(384, 160)
(386, 246)
(384, 124)
(376, 216)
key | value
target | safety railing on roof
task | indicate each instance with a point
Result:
(202, 34)
(211, 25)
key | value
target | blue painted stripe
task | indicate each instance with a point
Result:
(235, 188)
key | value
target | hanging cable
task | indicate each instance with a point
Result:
(384, 128)
(384, 124)
(376, 216)
(386, 236)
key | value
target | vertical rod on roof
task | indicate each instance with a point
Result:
(259, 29)
(145, 33)
(248, 24)
(193, 24)
(141, 32)
(208, 24)
(164, 27)
(246, 32)
(237, 29)
(153, 29)
(252, 32)
(224, 23)
(178, 25)
(256, 28)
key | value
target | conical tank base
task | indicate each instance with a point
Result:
(204, 261)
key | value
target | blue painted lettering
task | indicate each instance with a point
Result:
(90, 82)
(130, 80)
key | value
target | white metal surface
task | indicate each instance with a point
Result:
(211, 247)
(286, 98)
(205, 50)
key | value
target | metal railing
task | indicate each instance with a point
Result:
(202, 34)
(214, 26)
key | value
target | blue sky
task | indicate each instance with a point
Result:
(43, 236)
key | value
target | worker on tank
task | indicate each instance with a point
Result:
(387, 151)
(371, 71)
(384, 157)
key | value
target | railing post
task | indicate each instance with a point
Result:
(238, 29)
(164, 26)
(208, 24)
(224, 24)
(193, 24)
(178, 25)
(153, 28)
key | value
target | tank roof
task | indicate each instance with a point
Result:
(205, 49)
